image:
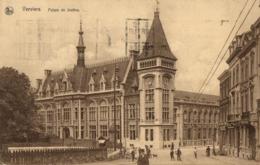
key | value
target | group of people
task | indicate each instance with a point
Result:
(144, 155)
(178, 153)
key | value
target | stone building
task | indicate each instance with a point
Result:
(239, 112)
(224, 105)
(197, 117)
(79, 102)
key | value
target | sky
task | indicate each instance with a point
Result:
(33, 40)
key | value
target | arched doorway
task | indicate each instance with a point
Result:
(66, 132)
(252, 141)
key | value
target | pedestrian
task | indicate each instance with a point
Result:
(208, 151)
(195, 152)
(148, 151)
(142, 159)
(172, 154)
(133, 154)
(172, 146)
(178, 153)
(214, 151)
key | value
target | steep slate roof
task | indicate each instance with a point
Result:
(156, 42)
(56, 77)
(107, 69)
(185, 95)
(79, 77)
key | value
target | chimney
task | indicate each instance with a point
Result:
(47, 72)
(134, 54)
(39, 83)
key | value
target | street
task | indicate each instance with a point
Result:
(187, 159)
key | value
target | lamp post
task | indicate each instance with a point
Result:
(115, 129)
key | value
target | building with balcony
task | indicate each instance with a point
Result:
(240, 90)
(131, 97)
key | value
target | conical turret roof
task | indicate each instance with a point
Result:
(156, 43)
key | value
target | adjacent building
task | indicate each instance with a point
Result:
(132, 97)
(240, 94)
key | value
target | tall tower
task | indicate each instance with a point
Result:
(156, 72)
(81, 49)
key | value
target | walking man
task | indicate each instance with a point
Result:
(178, 152)
(208, 151)
(195, 152)
(133, 154)
(172, 154)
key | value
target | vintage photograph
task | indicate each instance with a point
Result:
(122, 82)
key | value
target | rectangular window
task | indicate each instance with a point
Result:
(174, 134)
(149, 96)
(103, 130)
(251, 99)
(146, 134)
(132, 132)
(42, 117)
(174, 114)
(76, 113)
(165, 96)
(165, 114)
(149, 114)
(92, 131)
(82, 114)
(151, 134)
(131, 111)
(118, 131)
(103, 112)
(92, 114)
(82, 132)
(66, 114)
(50, 116)
(166, 134)
(59, 114)
(118, 109)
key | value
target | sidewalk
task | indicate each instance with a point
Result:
(234, 160)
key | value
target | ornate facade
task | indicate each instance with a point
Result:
(79, 102)
(240, 107)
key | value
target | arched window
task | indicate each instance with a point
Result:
(92, 111)
(104, 110)
(66, 113)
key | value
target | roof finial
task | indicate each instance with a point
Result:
(156, 12)
(80, 28)
(157, 6)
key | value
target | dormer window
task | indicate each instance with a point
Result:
(65, 86)
(56, 89)
(91, 84)
(48, 91)
(102, 83)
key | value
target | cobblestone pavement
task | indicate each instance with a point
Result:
(187, 159)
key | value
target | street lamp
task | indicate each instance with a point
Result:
(115, 129)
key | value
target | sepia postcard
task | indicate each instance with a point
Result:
(146, 82)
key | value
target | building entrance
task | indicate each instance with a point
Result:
(66, 132)
(252, 141)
